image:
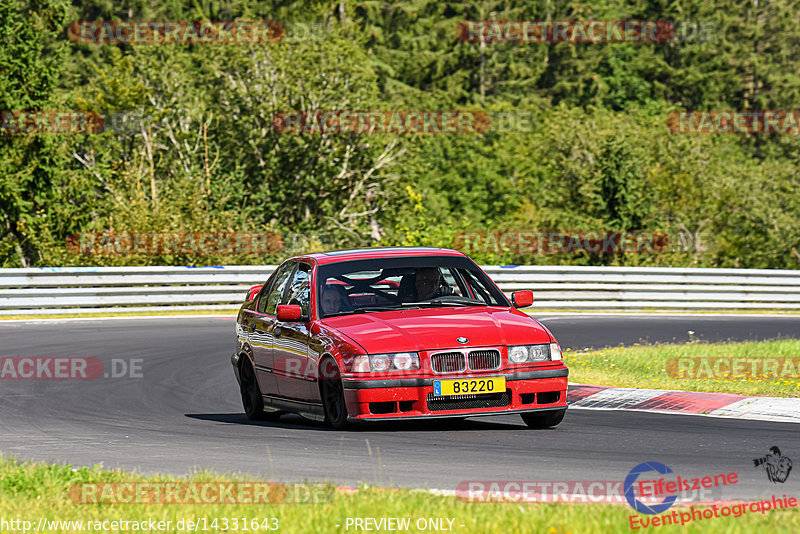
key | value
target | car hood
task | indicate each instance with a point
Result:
(438, 328)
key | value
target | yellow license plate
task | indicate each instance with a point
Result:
(469, 386)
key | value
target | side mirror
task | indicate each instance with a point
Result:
(289, 312)
(522, 299)
(252, 292)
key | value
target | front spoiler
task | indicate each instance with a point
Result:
(377, 418)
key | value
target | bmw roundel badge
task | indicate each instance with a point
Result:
(462, 340)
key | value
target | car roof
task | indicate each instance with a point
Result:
(334, 256)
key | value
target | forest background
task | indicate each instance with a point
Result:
(189, 143)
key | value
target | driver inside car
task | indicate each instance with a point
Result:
(426, 282)
(429, 284)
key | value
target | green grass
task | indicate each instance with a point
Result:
(646, 366)
(31, 491)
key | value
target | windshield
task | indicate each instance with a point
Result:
(383, 284)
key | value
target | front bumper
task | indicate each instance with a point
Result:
(412, 398)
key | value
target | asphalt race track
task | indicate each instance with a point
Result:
(184, 414)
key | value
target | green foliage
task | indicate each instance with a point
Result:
(32, 167)
(190, 143)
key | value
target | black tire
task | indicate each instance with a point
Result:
(333, 397)
(543, 419)
(252, 401)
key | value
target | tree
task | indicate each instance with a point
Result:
(31, 165)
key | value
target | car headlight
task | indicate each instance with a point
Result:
(518, 354)
(405, 361)
(534, 353)
(397, 361)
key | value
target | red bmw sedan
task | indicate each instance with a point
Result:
(394, 333)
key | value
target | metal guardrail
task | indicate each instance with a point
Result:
(54, 290)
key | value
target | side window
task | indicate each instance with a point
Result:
(300, 288)
(269, 303)
(476, 288)
(451, 283)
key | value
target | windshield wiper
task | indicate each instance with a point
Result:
(364, 309)
(367, 309)
(459, 301)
